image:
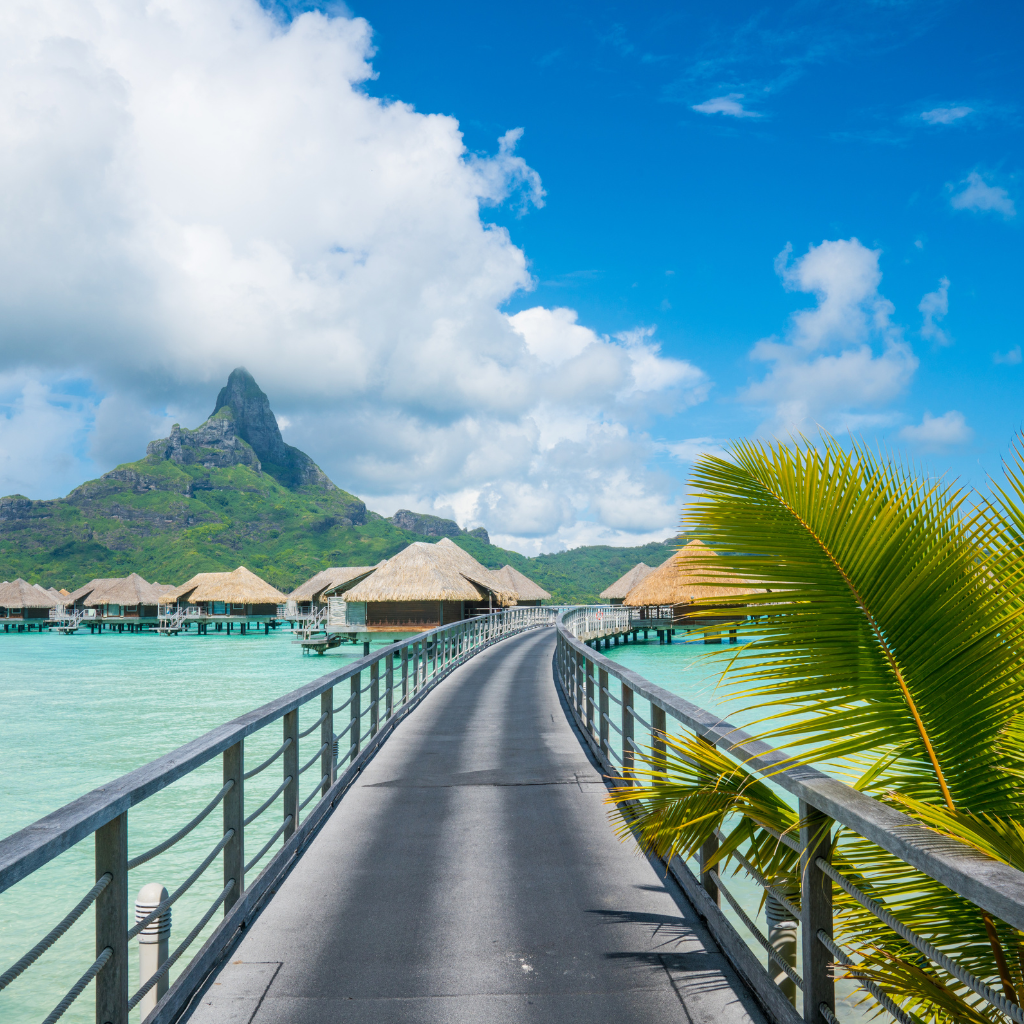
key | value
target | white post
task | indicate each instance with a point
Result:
(154, 942)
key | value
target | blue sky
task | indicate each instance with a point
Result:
(659, 214)
(513, 266)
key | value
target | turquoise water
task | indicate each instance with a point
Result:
(79, 711)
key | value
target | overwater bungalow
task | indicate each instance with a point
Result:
(311, 597)
(667, 595)
(616, 593)
(527, 592)
(422, 587)
(121, 604)
(225, 599)
(24, 607)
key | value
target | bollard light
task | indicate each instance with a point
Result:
(154, 942)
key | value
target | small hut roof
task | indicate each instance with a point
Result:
(522, 585)
(327, 579)
(57, 595)
(130, 590)
(238, 587)
(89, 587)
(20, 594)
(678, 581)
(64, 593)
(432, 572)
(624, 584)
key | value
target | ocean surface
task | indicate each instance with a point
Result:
(79, 711)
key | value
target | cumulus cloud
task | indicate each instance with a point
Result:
(977, 194)
(934, 433)
(839, 362)
(933, 307)
(729, 105)
(192, 186)
(1010, 358)
(945, 115)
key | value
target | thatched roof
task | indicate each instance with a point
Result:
(328, 579)
(624, 584)
(432, 572)
(57, 595)
(524, 587)
(20, 594)
(131, 590)
(238, 587)
(678, 581)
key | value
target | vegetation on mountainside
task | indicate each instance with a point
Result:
(889, 646)
(168, 521)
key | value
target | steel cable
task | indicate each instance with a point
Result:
(76, 990)
(270, 760)
(269, 843)
(266, 803)
(168, 843)
(55, 933)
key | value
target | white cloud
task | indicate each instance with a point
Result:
(692, 448)
(945, 115)
(978, 195)
(729, 105)
(935, 433)
(842, 360)
(1010, 358)
(191, 186)
(933, 307)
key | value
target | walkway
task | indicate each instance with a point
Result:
(472, 875)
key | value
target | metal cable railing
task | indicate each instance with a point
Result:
(587, 680)
(181, 833)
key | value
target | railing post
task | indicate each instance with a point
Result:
(602, 706)
(579, 677)
(588, 666)
(234, 820)
(327, 739)
(433, 659)
(374, 697)
(628, 749)
(290, 760)
(660, 728)
(354, 716)
(389, 685)
(405, 674)
(112, 921)
(707, 851)
(816, 912)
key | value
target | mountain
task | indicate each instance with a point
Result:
(231, 492)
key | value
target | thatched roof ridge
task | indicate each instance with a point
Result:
(679, 581)
(624, 584)
(238, 587)
(522, 585)
(432, 572)
(327, 579)
(57, 595)
(21, 594)
(86, 590)
(130, 590)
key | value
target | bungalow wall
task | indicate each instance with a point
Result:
(412, 615)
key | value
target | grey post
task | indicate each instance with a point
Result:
(154, 941)
(374, 697)
(589, 670)
(602, 705)
(290, 761)
(327, 767)
(389, 685)
(234, 817)
(628, 748)
(816, 912)
(707, 851)
(659, 730)
(112, 921)
(355, 716)
(405, 674)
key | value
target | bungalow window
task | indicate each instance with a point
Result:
(112, 609)
(219, 608)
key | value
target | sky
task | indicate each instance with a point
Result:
(519, 267)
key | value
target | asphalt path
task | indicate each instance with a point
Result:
(472, 874)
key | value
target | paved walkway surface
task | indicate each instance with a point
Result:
(472, 875)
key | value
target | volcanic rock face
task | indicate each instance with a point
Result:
(242, 431)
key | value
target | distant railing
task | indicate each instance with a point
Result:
(382, 689)
(607, 701)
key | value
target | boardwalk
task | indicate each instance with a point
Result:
(471, 875)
